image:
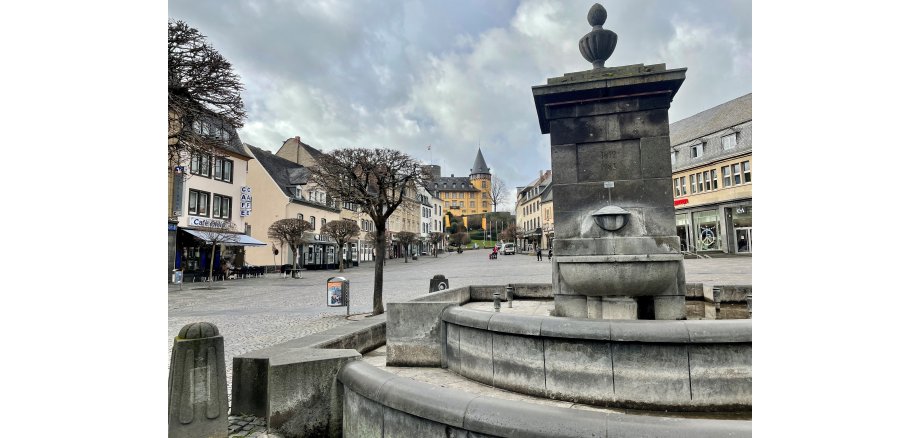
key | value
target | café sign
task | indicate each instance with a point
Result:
(245, 201)
(194, 221)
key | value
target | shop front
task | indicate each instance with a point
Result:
(726, 228)
(318, 253)
(194, 246)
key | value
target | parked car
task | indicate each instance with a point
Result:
(507, 249)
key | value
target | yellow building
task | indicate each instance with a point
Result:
(711, 160)
(464, 196)
(293, 149)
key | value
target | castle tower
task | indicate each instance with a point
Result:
(481, 178)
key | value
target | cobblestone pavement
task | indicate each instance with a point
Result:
(255, 313)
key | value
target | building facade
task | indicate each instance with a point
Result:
(529, 214)
(209, 192)
(464, 196)
(281, 189)
(711, 160)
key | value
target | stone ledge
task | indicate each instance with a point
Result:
(450, 409)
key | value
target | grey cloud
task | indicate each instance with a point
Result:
(452, 74)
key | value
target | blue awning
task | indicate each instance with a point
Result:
(240, 239)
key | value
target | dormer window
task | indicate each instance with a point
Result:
(729, 141)
(673, 157)
(298, 193)
(696, 151)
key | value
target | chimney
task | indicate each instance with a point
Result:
(297, 138)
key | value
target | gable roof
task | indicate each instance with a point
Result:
(284, 172)
(717, 118)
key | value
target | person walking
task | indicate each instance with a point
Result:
(539, 254)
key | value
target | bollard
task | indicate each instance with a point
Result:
(748, 298)
(509, 292)
(198, 383)
(496, 299)
(438, 283)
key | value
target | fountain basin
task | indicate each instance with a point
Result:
(619, 275)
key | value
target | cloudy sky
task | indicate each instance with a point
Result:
(452, 74)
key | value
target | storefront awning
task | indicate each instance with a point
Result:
(243, 240)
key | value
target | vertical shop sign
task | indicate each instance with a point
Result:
(245, 201)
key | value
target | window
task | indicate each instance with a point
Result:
(298, 192)
(729, 141)
(473, 195)
(736, 171)
(485, 204)
(699, 182)
(461, 204)
(715, 179)
(726, 177)
(746, 169)
(322, 222)
(673, 157)
(692, 183)
(222, 206)
(201, 165)
(707, 180)
(300, 216)
(313, 222)
(683, 186)
(676, 187)
(198, 203)
(223, 169)
(696, 151)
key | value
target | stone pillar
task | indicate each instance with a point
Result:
(615, 233)
(198, 383)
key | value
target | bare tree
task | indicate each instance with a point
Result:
(202, 85)
(290, 232)
(219, 233)
(341, 231)
(460, 238)
(510, 233)
(406, 238)
(436, 238)
(498, 193)
(378, 180)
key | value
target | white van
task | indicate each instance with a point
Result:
(507, 249)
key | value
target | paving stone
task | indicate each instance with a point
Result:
(256, 313)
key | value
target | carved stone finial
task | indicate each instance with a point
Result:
(598, 44)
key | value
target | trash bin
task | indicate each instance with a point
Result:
(438, 283)
(337, 293)
(177, 276)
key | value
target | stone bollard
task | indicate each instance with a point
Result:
(509, 292)
(198, 383)
(438, 283)
(497, 301)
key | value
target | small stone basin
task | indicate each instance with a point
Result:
(654, 274)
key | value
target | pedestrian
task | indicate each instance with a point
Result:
(539, 254)
(550, 253)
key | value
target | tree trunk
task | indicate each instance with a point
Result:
(406, 254)
(342, 258)
(211, 271)
(378, 269)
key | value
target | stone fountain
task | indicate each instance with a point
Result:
(617, 339)
(617, 252)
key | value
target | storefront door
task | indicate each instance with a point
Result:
(743, 240)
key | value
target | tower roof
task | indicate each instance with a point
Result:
(479, 166)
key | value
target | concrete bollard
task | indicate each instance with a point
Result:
(198, 383)
(497, 301)
(509, 292)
